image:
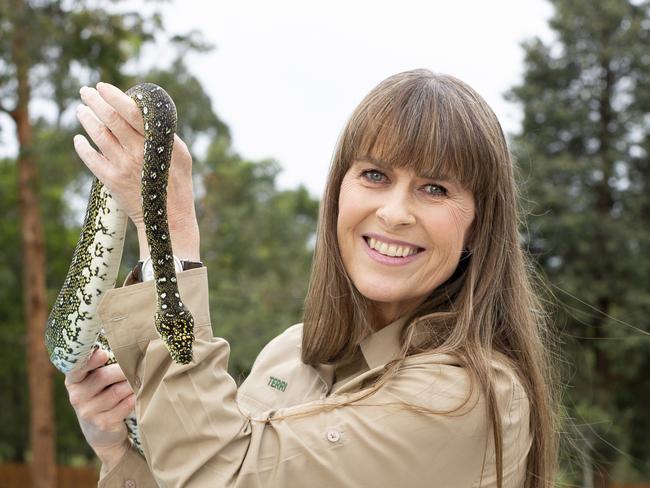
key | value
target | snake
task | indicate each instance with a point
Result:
(73, 330)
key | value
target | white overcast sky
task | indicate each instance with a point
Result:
(285, 74)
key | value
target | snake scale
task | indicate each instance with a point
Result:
(73, 328)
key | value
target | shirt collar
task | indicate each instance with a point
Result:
(378, 348)
(383, 346)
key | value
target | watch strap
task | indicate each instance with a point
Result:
(187, 264)
(136, 272)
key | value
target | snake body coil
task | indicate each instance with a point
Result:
(73, 328)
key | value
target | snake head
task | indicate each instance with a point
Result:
(177, 333)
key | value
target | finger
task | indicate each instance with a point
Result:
(93, 383)
(99, 133)
(95, 161)
(105, 400)
(102, 378)
(114, 419)
(123, 104)
(126, 135)
(98, 358)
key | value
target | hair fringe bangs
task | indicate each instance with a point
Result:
(424, 130)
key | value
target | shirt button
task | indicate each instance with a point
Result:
(129, 484)
(333, 435)
(138, 384)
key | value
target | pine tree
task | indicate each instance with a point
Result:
(43, 45)
(584, 165)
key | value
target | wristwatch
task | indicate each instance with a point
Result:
(143, 270)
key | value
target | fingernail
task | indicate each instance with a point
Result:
(77, 139)
(82, 89)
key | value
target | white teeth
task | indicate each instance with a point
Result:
(391, 249)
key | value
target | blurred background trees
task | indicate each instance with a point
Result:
(46, 49)
(257, 236)
(582, 156)
(584, 165)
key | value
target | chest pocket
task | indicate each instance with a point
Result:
(277, 382)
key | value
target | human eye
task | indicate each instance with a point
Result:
(435, 190)
(373, 176)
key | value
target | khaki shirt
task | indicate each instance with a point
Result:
(199, 430)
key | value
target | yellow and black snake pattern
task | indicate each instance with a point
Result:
(73, 329)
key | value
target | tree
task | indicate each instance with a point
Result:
(257, 241)
(42, 43)
(255, 237)
(583, 156)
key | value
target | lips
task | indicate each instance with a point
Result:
(391, 248)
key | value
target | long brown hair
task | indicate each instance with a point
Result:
(436, 124)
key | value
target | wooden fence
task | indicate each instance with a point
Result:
(18, 476)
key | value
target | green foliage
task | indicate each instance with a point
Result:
(67, 44)
(13, 401)
(70, 44)
(256, 242)
(583, 161)
(256, 239)
(193, 104)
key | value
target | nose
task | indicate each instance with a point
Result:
(396, 210)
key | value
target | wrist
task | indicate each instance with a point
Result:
(143, 270)
(185, 241)
(110, 457)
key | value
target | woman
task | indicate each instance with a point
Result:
(423, 345)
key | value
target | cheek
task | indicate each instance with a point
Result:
(458, 222)
(350, 209)
(343, 221)
(447, 230)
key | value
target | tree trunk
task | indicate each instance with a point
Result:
(604, 205)
(39, 369)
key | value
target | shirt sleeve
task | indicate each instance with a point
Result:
(131, 471)
(194, 435)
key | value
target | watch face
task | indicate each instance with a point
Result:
(147, 268)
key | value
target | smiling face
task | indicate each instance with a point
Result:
(400, 234)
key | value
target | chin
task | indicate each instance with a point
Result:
(381, 294)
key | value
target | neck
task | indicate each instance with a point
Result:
(388, 312)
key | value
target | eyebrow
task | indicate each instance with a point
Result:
(383, 164)
(370, 159)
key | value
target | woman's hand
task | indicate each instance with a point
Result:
(102, 399)
(114, 123)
